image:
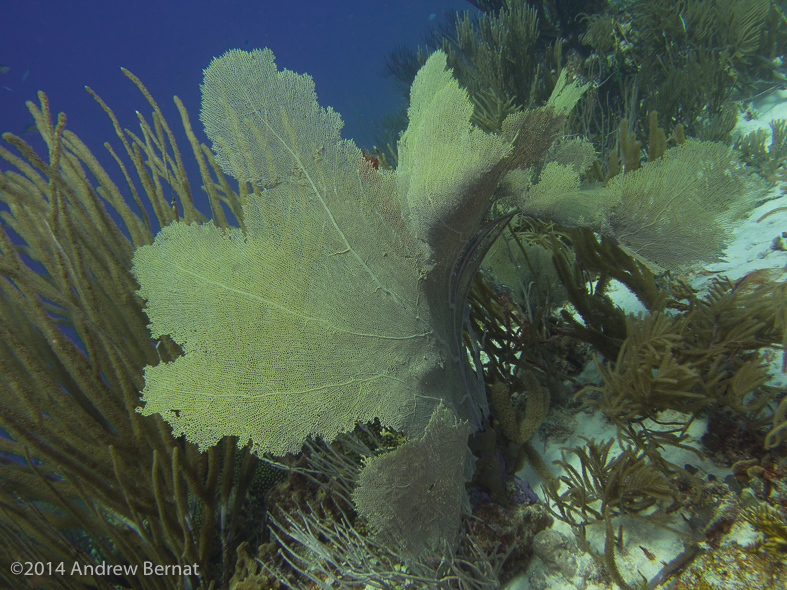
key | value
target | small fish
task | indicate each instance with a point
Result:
(648, 554)
(4, 68)
(432, 16)
(9, 89)
(29, 128)
(25, 75)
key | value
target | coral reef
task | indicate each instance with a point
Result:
(351, 403)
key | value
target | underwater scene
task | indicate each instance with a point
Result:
(419, 294)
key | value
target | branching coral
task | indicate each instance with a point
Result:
(583, 264)
(504, 446)
(82, 474)
(607, 486)
(772, 523)
(316, 536)
(702, 54)
(494, 57)
(714, 354)
(777, 435)
(520, 426)
(766, 158)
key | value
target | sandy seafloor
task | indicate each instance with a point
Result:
(749, 250)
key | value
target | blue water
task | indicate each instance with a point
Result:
(60, 47)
